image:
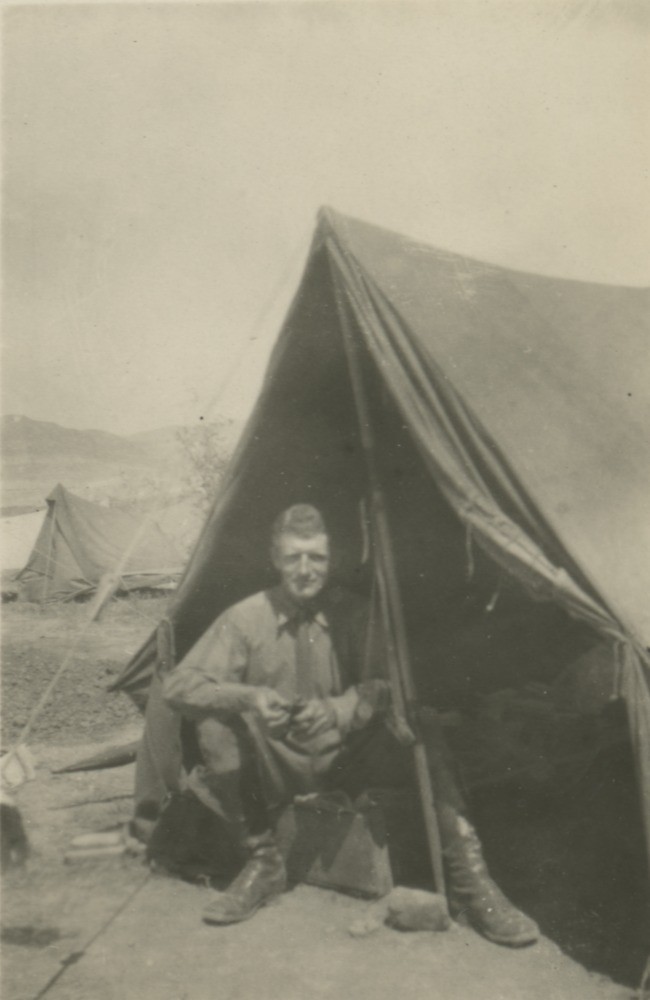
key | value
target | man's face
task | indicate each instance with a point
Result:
(303, 564)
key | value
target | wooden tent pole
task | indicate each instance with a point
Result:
(48, 558)
(399, 665)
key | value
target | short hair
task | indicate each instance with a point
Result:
(302, 519)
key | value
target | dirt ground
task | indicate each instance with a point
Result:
(110, 929)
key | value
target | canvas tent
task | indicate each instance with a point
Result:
(511, 414)
(79, 541)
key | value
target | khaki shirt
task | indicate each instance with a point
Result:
(254, 643)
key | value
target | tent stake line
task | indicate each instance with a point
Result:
(103, 595)
(76, 956)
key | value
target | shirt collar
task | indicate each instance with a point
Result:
(288, 610)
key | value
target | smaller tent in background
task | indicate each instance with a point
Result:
(79, 541)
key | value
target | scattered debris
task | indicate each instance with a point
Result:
(17, 766)
(14, 846)
(417, 910)
(80, 854)
(97, 846)
(366, 926)
(84, 841)
(115, 756)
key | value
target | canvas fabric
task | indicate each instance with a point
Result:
(525, 401)
(80, 541)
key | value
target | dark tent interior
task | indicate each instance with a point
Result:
(309, 449)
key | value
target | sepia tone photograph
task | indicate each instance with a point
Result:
(325, 475)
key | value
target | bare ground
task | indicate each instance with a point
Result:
(102, 931)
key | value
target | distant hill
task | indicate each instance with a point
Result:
(97, 465)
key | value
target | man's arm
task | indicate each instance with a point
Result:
(212, 678)
(212, 674)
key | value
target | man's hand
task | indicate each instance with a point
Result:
(272, 709)
(316, 717)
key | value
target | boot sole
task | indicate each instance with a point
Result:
(524, 941)
(521, 942)
(219, 921)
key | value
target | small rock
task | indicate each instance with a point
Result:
(417, 910)
(365, 926)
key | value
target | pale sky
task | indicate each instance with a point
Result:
(163, 166)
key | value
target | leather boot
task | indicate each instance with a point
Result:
(474, 898)
(262, 878)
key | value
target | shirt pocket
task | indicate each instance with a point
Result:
(272, 664)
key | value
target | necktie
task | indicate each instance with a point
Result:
(304, 658)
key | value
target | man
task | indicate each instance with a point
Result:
(284, 701)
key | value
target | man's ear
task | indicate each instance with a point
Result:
(274, 556)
